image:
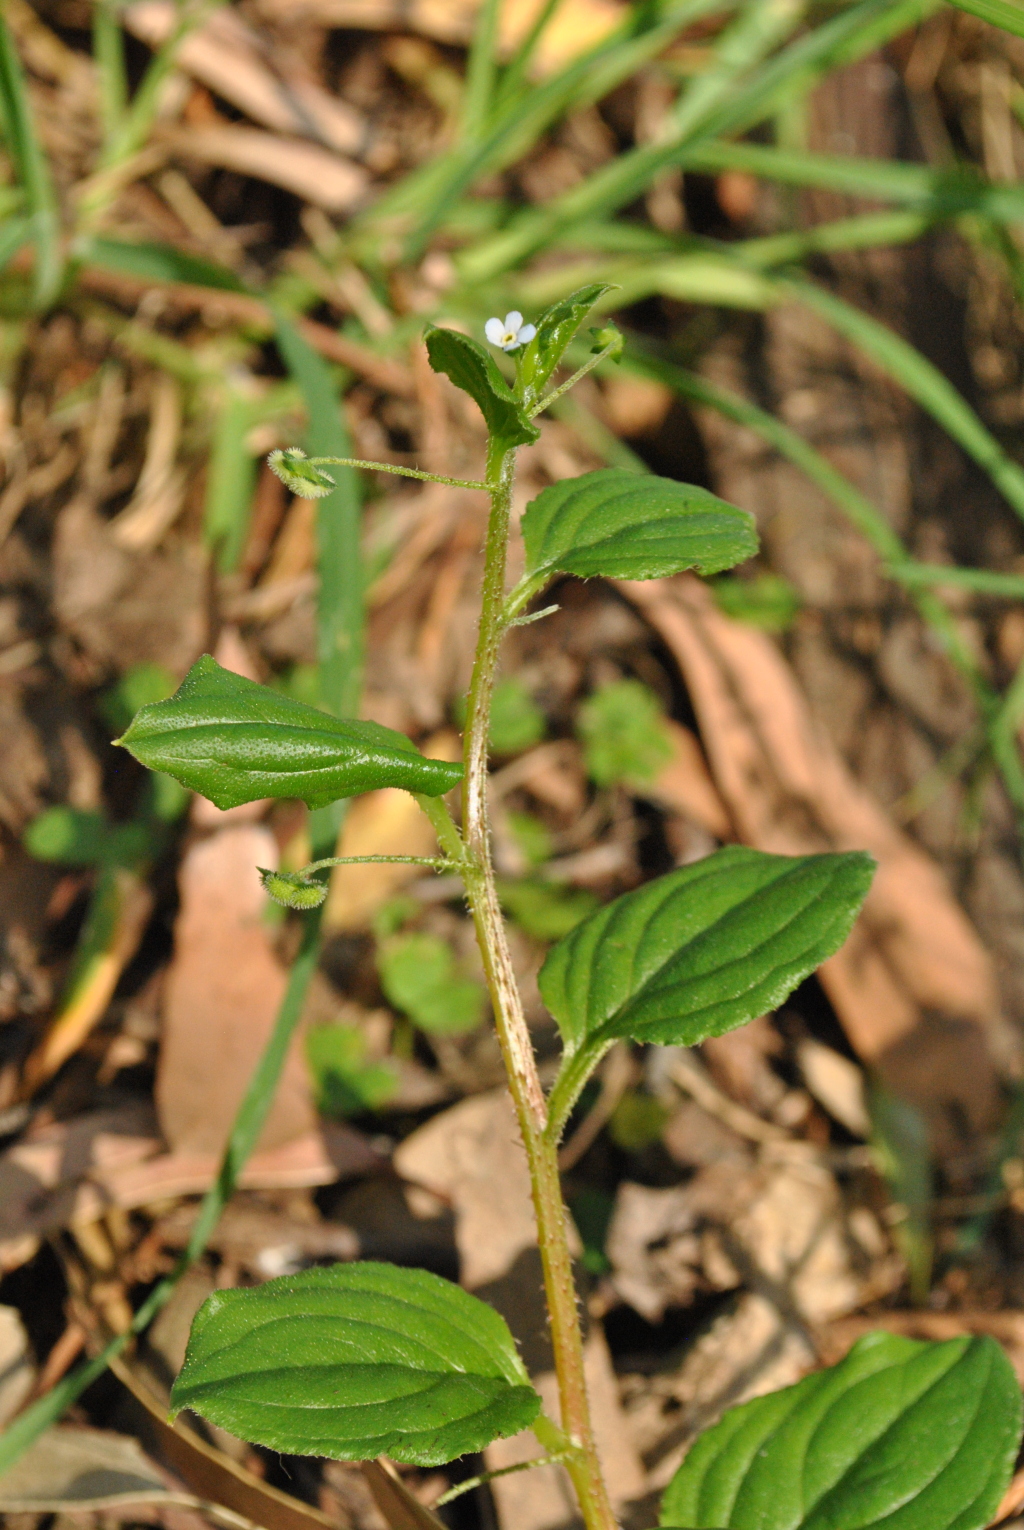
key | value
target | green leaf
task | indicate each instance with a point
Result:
(475, 371)
(76, 838)
(907, 1435)
(346, 1082)
(516, 722)
(140, 685)
(356, 1361)
(626, 525)
(696, 953)
(625, 739)
(419, 976)
(157, 263)
(555, 330)
(1008, 14)
(768, 600)
(235, 741)
(32, 168)
(545, 910)
(68, 835)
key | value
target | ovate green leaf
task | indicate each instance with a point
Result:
(235, 741)
(475, 371)
(356, 1361)
(555, 330)
(633, 526)
(900, 1434)
(697, 953)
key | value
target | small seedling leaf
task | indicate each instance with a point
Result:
(475, 371)
(697, 952)
(235, 741)
(923, 1436)
(625, 525)
(625, 737)
(420, 977)
(356, 1361)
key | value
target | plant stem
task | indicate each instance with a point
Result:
(582, 1461)
(401, 472)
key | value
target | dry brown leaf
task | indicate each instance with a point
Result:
(685, 785)
(17, 1370)
(913, 952)
(46, 1178)
(92, 994)
(578, 24)
(387, 822)
(398, 1506)
(213, 1476)
(294, 551)
(125, 607)
(227, 56)
(305, 169)
(224, 988)
(471, 1156)
(317, 1158)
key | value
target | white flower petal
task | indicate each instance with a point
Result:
(495, 331)
(527, 333)
(513, 320)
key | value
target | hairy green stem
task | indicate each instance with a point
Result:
(582, 1462)
(588, 366)
(401, 472)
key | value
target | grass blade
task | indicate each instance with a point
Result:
(923, 381)
(230, 481)
(141, 113)
(481, 72)
(846, 37)
(761, 25)
(111, 69)
(14, 234)
(429, 198)
(945, 192)
(1007, 14)
(32, 170)
(856, 506)
(514, 77)
(981, 581)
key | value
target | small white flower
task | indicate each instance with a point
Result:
(510, 334)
